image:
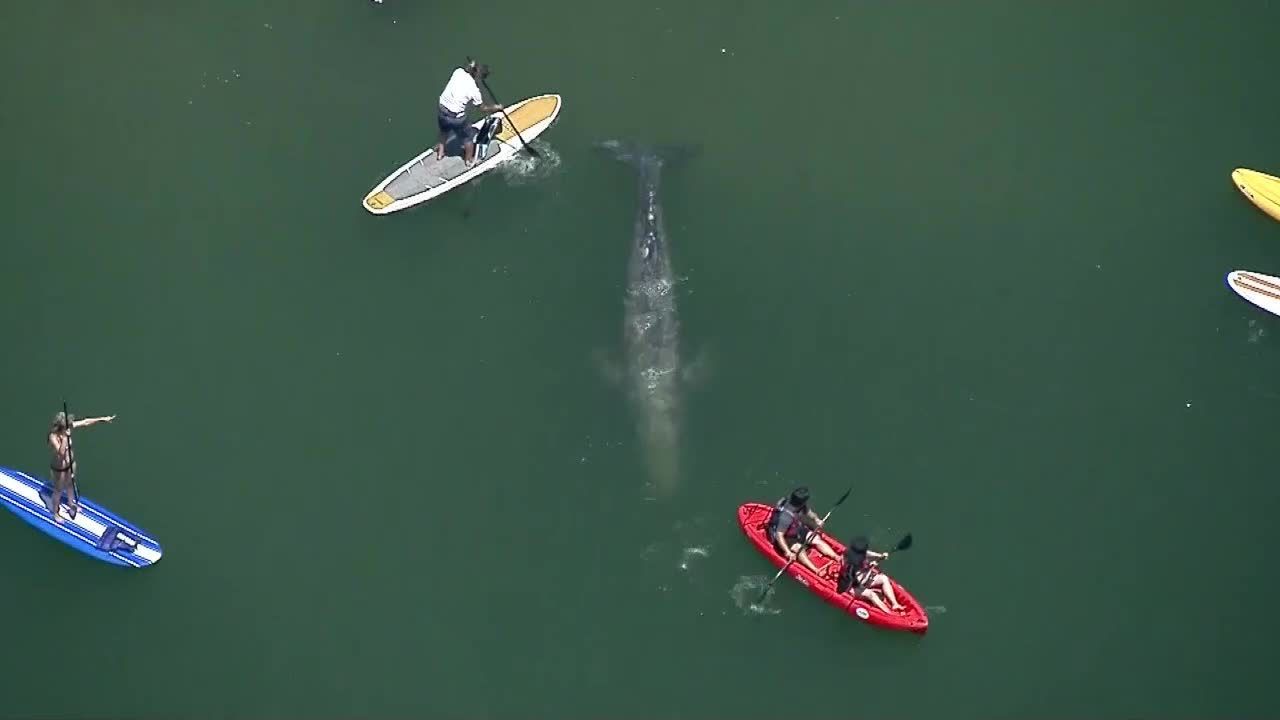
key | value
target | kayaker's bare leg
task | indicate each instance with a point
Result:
(824, 548)
(882, 582)
(873, 597)
(469, 153)
(803, 557)
(444, 137)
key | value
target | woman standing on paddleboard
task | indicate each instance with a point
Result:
(62, 464)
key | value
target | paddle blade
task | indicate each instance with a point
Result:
(905, 542)
(765, 592)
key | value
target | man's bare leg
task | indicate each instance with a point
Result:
(803, 557)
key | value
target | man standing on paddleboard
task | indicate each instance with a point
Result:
(62, 465)
(458, 95)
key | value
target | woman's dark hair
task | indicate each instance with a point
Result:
(800, 497)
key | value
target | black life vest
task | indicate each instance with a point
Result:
(784, 509)
(854, 564)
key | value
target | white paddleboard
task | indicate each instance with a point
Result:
(424, 177)
(1261, 290)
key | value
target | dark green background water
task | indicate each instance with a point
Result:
(967, 257)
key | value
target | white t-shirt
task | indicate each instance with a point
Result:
(461, 91)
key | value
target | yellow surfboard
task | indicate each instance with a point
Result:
(1262, 189)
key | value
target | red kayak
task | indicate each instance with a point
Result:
(753, 517)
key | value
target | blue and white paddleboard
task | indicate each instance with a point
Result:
(95, 531)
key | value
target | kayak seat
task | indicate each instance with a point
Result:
(115, 539)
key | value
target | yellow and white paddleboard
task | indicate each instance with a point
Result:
(424, 177)
(1261, 290)
(1262, 189)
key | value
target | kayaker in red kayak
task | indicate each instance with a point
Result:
(861, 575)
(789, 530)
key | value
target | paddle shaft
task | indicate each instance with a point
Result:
(524, 144)
(71, 458)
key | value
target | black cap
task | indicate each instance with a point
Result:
(800, 497)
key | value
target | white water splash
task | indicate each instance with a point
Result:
(693, 552)
(653, 377)
(746, 595)
(524, 168)
(936, 609)
(655, 288)
(1256, 332)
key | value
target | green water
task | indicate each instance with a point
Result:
(967, 257)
